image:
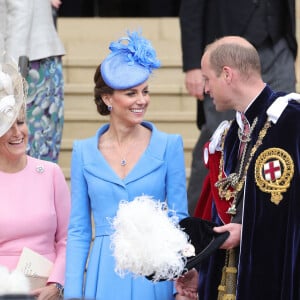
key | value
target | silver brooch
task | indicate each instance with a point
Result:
(40, 169)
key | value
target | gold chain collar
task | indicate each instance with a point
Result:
(230, 186)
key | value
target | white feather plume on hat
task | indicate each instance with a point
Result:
(147, 242)
(13, 282)
(6, 83)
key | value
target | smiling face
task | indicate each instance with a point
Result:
(13, 143)
(129, 106)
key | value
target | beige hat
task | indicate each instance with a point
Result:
(12, 96)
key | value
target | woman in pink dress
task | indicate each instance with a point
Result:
(35, 199)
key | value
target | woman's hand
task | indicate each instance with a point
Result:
(187, 286)
(179, 297)
(48, 292)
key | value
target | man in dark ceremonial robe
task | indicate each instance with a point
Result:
(253, 186)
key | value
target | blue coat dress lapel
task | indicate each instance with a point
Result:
(151, 159)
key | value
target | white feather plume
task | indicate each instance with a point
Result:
(7, 105)
(146, 241)
(14, 282)
(6, 83)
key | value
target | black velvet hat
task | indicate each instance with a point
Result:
(203, 238)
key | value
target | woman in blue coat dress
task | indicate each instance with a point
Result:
(128, 157)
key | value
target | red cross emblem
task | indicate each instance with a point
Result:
(272, 170)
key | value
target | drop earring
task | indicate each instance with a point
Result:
(109, 107)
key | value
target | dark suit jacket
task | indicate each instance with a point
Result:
(202, 21)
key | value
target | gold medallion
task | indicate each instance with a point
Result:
(274, 169)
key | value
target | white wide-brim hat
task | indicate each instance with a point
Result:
(12, 96)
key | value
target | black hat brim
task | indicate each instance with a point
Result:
(202, 236)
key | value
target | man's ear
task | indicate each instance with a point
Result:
(227, 73)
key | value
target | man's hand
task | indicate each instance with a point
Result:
(194, 83)
(187, 286)
(56, 3)
(235, 235)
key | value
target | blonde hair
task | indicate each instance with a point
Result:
(234, 52)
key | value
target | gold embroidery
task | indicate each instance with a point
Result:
(274, 169)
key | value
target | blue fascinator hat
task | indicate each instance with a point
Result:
(130, 62)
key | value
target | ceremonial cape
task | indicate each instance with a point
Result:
(269, 253)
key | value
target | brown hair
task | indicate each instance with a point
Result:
(100, 89)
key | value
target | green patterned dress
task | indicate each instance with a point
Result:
(45, 108)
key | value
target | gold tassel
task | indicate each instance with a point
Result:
(228, 297)
(222, 286)
(227, 287)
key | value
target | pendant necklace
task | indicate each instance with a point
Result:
(123, 162)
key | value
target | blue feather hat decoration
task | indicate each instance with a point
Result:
(130, 62)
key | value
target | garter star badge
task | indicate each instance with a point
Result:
(274, 169)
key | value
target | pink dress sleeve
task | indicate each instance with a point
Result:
(62, 207)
